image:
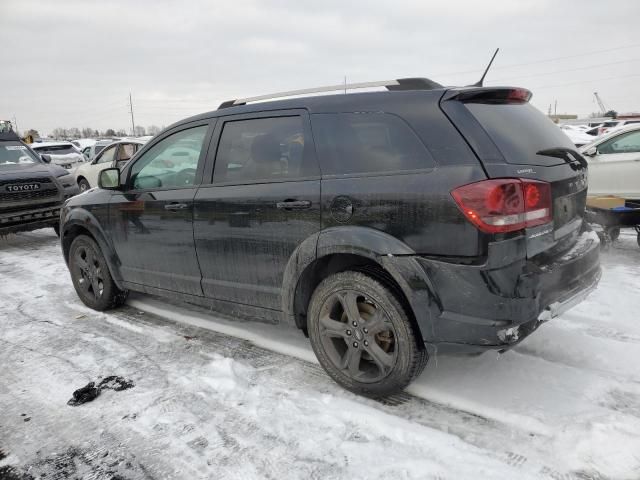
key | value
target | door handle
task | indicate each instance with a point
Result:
(293, 205)
(176, 206)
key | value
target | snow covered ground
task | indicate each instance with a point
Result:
(214, 398)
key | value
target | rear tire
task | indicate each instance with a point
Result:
(91, 276)
(362, 336)
(83, 185)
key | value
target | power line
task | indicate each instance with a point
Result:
(569, 70)
(536, 62)
(586, 81)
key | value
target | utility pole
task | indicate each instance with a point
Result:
(133, 125)
(345, 84)
(15, 122)
(555, 108)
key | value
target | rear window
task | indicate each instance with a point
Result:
(519, 131)
(367, 143)
(56, 149)
(14, 153)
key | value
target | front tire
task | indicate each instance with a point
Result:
(362, 336)
(83, 185)
(91, 277)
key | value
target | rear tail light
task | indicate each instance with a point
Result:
(505, 204)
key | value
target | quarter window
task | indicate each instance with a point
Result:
(263, 149)
(366, 143)
(170, 163)
(626, 143)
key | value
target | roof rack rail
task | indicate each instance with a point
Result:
(393, 85)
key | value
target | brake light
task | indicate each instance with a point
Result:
(494, 95)
(505, 204)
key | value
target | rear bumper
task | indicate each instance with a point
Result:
(484, 308)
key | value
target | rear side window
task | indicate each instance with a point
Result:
(263, 149)
(520, 131)
(367, 143)
(56, 149)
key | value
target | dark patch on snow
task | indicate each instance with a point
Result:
(2, 455)
(10, 473)
(91, 391)
(79, 463)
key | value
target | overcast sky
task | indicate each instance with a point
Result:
(67, 63)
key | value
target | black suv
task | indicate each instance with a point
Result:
(31, 190)
(387, 226)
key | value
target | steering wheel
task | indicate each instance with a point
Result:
(186, 176)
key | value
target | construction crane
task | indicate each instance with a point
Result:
(603, 109)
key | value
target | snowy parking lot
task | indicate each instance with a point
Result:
(217, 398)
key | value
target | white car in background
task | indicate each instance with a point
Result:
(115, 154)
(64, 154)
(82, 143)
(576, 134)
(614, 163)
(91, 151)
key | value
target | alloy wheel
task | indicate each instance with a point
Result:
(358, 336)
(89, 272)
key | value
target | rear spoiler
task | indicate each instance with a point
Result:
(490, 95)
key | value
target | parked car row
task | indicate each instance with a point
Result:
(357, 218)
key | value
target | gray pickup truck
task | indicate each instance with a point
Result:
(31, 189)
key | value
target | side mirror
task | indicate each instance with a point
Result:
(46, 158)
(590, 152)
(109, 179)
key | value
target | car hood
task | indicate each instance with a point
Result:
(31, 170)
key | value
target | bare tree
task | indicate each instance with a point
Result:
(139, 131)
(153, 130)
(87, 132)
(110, 132)
(60, 133)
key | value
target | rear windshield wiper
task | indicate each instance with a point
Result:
(566, 154)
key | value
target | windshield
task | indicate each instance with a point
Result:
(14, 153)
(519, 131)
(56, 149)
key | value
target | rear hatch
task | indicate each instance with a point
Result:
(514, 140)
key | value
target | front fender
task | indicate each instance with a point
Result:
(394, 256)
(80, 217)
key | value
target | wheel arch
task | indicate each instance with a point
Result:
(363, 249)
(81, 222)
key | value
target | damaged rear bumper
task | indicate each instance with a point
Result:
(490, 307)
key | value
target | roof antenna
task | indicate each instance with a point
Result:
(479, 83)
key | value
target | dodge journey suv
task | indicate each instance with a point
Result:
(385, 225)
